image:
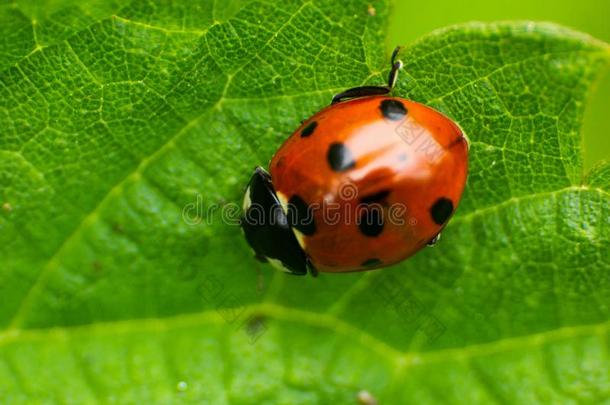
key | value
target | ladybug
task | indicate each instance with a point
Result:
(362, 184)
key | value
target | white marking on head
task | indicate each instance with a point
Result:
(247, 201)
(283, 201)
(300, 237)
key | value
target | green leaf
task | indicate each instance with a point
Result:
(116, 120)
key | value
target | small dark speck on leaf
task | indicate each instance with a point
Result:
(256, 326)
(256, 322)
(97, 266)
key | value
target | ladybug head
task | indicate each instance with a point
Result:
(266, 226)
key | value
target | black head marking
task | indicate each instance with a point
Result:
(300, 216)
(371, 221)
(379, 197)
(393, 109)
(340, 158)
(308, 130)
(441, 210)
(266, 227)
(371, 263)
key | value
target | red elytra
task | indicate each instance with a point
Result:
(362, 184)
(400, 158)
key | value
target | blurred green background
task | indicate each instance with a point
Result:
(412, 19)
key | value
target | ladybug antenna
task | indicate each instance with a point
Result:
(396, 66)
(366, 91)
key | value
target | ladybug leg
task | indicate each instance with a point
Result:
(364, 91)
(312, 270)
(434, 240)
(467, 141)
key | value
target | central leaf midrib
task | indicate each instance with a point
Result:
(402, 359)
(320, 319)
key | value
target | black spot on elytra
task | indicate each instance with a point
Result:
(371, 262)
(300, 216)
(371, 221)
(340, 158)
(393, 109)
(441, 210)
(378, 197)
(308, 130)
